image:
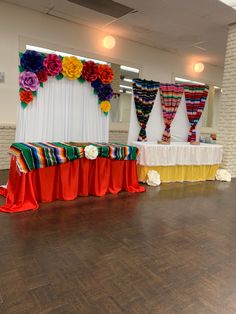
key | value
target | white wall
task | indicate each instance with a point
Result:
(19, 25)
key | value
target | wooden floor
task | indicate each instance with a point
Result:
(170, 250)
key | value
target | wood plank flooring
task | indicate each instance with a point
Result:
(170, 250)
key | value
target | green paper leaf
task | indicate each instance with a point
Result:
(106, 113)
(35, 93)
(43, 54)
(60, 57)
(59, 76)
(41, 84)
(23, 105)
(95, 91)
(21, 69)
(99, 101)
(81, 80)
(20, 54)
(21, 89)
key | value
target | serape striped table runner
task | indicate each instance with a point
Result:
(30, 156)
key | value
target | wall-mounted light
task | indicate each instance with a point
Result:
(199, 67)
(109, 42)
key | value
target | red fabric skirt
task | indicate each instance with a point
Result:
(80, 177)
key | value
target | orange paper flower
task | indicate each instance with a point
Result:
(105, 73)
(26, 96)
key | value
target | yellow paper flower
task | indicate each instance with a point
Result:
(71, 67)
(105, 106)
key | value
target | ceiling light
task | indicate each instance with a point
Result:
(128, 92)
(109, 42)
(126, 87)
(128, 80)
(129, 69)
(199, 67)
(180, 79)
(63, 54)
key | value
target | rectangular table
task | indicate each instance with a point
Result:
(69, 179)
(179, 161)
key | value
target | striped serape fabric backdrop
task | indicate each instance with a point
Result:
(170, 95)
(195, 97)
(144, 96)
(30, 156)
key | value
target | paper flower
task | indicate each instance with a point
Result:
(42, 76)
(105, 106)
(52, 64)
(32, 61)
(105, 92)
(90, 71)
(105, 73)
(29, 81)
(26, 96)
(154, 178)
(91, 152)
(223, 175)
(96, 85)
(71, 67)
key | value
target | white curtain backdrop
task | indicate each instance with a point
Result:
(155, 126)
(63, 111)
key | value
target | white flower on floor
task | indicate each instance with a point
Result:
(91, 152)
(154, 178)
(223, 175)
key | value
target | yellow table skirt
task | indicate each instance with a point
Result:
(180, 173)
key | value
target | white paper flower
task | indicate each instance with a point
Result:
(91, 152)
(154, 178)
(223, 175)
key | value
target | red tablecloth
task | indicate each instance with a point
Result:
(80, 177)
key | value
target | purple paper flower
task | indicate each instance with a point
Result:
(32, 61)
(96, 84)
(105, 92)
(29, 81)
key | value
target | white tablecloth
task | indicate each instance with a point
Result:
(178, 153)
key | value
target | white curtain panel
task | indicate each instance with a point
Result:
(63, 110)
(155, 126)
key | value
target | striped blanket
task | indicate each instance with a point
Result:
(30, 156)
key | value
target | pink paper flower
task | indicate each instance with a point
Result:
(29, 81)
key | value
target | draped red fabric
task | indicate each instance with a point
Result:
(80, 177)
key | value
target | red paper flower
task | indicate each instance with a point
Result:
(42, 76)
(90, 71)
(52, 64)
(105, 73)
(26, 96)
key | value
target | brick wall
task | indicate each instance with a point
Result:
(226, 134)
(7, 136)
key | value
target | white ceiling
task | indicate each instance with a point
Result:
(195, 28)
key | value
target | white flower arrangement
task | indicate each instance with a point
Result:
(154, 178)
(91, 152)
(223, 175)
